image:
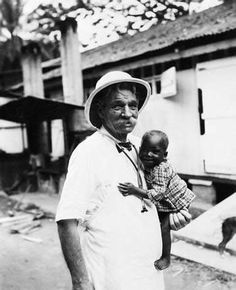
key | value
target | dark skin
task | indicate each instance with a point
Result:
(128, 188)
(152, 153)
(70, 243)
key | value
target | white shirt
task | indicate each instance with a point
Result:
(119, 243)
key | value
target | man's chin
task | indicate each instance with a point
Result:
(128, 130)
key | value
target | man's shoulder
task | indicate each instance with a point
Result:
(88, 144)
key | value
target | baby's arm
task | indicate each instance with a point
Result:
(128, 188)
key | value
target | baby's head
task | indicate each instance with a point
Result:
(153, 148)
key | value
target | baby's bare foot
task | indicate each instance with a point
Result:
(162, 263)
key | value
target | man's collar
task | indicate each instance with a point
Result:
(120, 146)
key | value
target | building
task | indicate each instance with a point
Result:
(191, 66)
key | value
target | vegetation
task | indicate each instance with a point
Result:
(13, 35)
(100, 21)
(109, 19)
(11, 42)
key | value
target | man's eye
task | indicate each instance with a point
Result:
(117, 108)
(133, 106)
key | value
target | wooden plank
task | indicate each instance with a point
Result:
(31, 239)
(13, 219)
(25, 228)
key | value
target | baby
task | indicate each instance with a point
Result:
(165, 188)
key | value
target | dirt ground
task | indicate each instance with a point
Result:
(27, 265)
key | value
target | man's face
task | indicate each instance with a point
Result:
(119, 114)
(152, 152)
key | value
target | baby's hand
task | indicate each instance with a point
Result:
(125, 188)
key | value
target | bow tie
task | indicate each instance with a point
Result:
(124, 145)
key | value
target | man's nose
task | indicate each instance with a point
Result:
(127, 112)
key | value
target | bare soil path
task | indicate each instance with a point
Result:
(26, 265)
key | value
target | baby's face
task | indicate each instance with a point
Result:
(152, 152)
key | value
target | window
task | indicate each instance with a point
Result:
(155, 83)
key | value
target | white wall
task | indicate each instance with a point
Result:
(12, 138)
(178, 117)
(57, 135)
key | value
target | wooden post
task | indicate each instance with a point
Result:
(33, 86)
(72, 79)
(32, 71)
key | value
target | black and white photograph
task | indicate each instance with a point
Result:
(117, 144)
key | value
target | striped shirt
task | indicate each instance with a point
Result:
(166, 189)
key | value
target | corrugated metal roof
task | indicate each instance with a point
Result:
(209, 22)
(213, 21)
(198, 26)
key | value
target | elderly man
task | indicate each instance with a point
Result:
(110, 241)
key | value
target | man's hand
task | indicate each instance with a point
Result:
(126, 188)
(180, 219)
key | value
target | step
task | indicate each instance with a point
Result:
(206, 230)
(205, 256)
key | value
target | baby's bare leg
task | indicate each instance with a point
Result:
(164, 261)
